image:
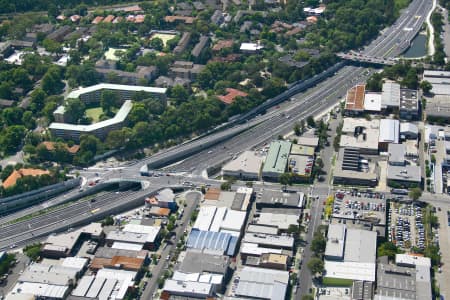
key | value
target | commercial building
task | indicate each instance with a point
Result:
(350, 253)
(63, 245)
(409, 104)
(276, 160)
(310, 141)
(362, 134)
(106, 284)
(408, 131)
(279, 221)
(164, 199)
(409, 279)
(99, 129)
(259, 283)
(405, 176)
(193, 289)
(438, 108)
(246, 166)
(147, 236)
(270, 241)
(220, 219)
(372, 102)
(354, 101)
(389, 133)
(440, 81)
(221, 243)
(397, 154)
(350, 169)
(390, 96)
(275, 198)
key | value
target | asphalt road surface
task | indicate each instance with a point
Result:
(192, 200)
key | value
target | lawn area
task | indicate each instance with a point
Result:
(336, 282)
(164, 37)
(94, 113)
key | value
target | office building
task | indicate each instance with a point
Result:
(409, 104)
(246, 166)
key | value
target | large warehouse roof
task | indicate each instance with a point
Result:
(262, 283)
(389, 131)
(277, 157)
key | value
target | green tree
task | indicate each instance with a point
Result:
(415, 193)
(179, 93)
(318, 243)
(286, 179)
(297, 129)
(11, 138)
(52, 46)
(310, 121)
(33, 251)
(157, 44)
(388, 249)
(38, 100)
(225, 186)
(28, 120)
(109, 100)
(315, 265)
(426, 86)
(51, 82)
(74, 109)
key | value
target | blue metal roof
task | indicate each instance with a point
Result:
(222, 241)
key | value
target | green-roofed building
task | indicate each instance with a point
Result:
(276, 160)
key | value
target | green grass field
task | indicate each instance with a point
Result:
(327, 281)
(164, 37)
(94, 113)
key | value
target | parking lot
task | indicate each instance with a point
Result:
(406, 228)
(359, 207)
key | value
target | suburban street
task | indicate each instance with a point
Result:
(192, 200)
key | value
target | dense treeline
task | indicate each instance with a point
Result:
(8, 6)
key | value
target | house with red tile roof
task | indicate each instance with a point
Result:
(231, 95)
(97, 20)
(17, 174)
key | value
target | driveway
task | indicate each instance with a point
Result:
(22, 262)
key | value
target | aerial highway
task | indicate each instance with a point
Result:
(262, 128)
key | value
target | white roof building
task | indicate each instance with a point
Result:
(251, 47)
(390, 95)
(350, 253)
(188, 288)
(40, 289)
(389, 131)
(408, 260)
(281, 221)
(119, 87)
(108, 284)
(220, 219)
(118, 119)
(372, 102)
(247, 165)
(262, 283)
